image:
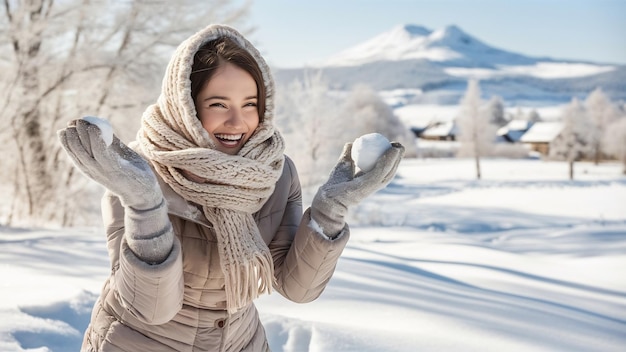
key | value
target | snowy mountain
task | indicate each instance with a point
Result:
(438, 63)
(449, 45)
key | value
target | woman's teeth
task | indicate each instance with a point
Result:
(229, 138)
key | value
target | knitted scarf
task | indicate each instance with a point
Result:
(234, 186)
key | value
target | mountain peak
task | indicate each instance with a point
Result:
(451, 34)
(402, 42)
(448, 45)
(453, 29)
(415, 30)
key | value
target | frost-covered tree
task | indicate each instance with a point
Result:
(573, 141)
(309, 117)
(601, 113)
(533, 116)
(476, 133)
(615, 140)
(64, 59)
(495, 110)
(316, 123)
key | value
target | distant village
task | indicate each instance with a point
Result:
(536, 135)
(589, 129)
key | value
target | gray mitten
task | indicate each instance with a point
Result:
(344, 189)
(126, 174)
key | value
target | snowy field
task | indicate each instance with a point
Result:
(523, 260)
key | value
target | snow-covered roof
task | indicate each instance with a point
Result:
(518, 125)
(423, 115)
(513, 136)
(514, 130)
(440, 130)
(542, 132)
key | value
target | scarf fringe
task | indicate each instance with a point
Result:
(248, 282)
(246, 260)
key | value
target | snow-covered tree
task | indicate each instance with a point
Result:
(309, 117)
(476, 133)
(65, 59)
(573, 141)
(615, 140)
(533, 116)
(495, 111)
(601, 113)
(316, 123)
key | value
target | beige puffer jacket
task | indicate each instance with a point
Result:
(178, 305)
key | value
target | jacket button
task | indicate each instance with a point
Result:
(219, 323)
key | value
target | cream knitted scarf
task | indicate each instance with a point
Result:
(234, 187)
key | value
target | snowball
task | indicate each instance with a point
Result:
(367, 149)
(105, 128)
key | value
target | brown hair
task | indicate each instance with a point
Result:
(215, 54)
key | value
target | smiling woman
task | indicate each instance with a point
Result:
(203, 212)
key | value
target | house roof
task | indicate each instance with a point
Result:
(519, 125)
(542, 132)
(514, 130)
(440, 130)
(421, 116)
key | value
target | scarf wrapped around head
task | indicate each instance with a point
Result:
(236, 186)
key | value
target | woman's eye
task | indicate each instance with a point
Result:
(218, 105)
(251, 104)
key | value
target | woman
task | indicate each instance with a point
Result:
(203, 213)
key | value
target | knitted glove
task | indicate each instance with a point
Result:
(126, 174)
(344, 189)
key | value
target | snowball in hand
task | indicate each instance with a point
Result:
(367, 149)
(105, 128)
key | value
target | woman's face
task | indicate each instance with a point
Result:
(227, 108)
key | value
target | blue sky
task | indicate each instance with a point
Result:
(291, 33)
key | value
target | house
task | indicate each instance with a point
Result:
(421, 117)
(513, 131)
(540, 135)
(440, 131)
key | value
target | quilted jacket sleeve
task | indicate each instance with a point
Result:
(151, 293)
(304, 259)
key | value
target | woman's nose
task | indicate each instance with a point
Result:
(235, 119)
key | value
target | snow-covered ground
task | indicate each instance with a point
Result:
(547, 70)
(523, 260)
